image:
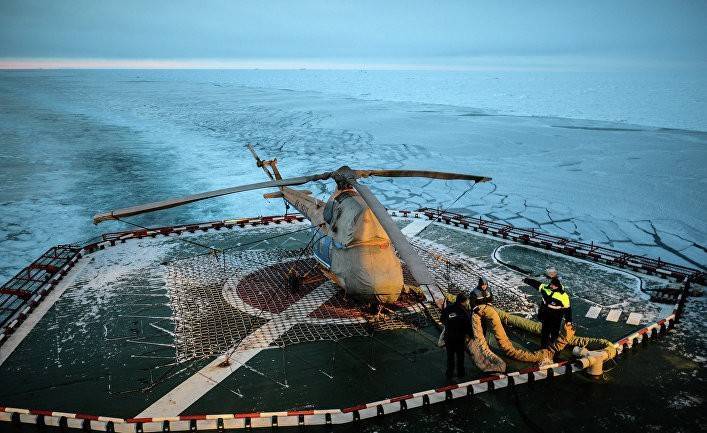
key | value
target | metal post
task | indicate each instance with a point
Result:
(682, 300)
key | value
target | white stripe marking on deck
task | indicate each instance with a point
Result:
(634, 318)
(613, 315)
(593, 312)
(415, 227)
(188, 392)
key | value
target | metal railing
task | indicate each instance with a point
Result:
(18, 292)
(589, 251)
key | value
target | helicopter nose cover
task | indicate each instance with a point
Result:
(367, 263)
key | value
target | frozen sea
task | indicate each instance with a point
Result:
(615, 158)
(73, 143)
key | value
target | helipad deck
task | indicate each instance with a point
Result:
(109, 345)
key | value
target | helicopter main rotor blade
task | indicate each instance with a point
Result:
(174, 202)
(421, 173)
(414, 263)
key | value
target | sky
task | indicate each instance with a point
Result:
(349, 32)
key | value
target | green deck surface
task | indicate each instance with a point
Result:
(85, 355)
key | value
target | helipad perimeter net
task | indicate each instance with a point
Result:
(454, 272)
(242, 300)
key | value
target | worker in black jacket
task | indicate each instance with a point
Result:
(555, 306)
(481, 295)
(457, 326)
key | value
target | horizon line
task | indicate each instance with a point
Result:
(461, 64)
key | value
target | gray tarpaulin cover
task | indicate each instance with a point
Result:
(362, 252)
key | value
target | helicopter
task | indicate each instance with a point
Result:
(357, 238)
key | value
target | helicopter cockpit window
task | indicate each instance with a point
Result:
(329, 212)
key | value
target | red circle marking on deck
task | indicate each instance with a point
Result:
(266, 289)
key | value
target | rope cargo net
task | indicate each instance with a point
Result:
(219, 301)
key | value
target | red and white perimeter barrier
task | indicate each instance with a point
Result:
(221, 422)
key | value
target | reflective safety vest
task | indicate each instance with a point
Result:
(554, 299)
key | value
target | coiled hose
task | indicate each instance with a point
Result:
(496, 319)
